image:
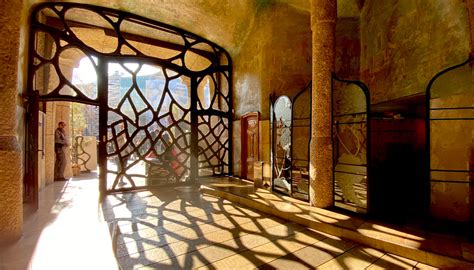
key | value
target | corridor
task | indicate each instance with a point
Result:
(173, 228)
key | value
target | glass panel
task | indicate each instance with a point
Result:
(301, 136)
(46, 79)
(350, 146)
(206, 91)
(84, 77)
(148, 144)
(148, 107)
(45, 46)
(282, 145)
(91, 33)
(198, 57)
(452, 142)
(213, 144)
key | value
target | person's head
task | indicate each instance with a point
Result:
(61, 124)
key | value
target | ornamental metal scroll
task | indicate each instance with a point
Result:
(164, 94)
(450, 141)
(79, 155)
(351, 144)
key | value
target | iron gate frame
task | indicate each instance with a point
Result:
(221, 68)
(428, 120)
(273, 100)
(362, 86)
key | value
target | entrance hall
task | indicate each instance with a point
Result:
(260, 134)
(174, 228)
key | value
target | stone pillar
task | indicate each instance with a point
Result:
(323, 26)
(11, 205)
(470, 6)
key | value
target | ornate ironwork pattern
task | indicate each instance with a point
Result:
(163, 93)
(291, 128)
(301, 135)
(351, 144)
(80, 156)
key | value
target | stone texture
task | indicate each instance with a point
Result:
(275, 58)
(470, 4)
(11, 216)
(397, 62)
(347, 47)
(323, 25)
(11, 207)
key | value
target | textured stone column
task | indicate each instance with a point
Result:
(470, 6)
(323, 26)
(11, 206)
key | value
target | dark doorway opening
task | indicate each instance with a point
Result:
(398, 155)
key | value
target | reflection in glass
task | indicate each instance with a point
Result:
(147, 145)
(301, 134)
(350, 146)
(451, 135)
(282, 145)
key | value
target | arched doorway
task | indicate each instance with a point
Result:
(164, 94)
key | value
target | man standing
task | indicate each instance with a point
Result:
(60, 142)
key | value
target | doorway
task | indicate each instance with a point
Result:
(164, 97)
(398, 159)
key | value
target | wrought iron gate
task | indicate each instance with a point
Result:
(450, 141)
(351, 144)
(164, 94)
(290, 121)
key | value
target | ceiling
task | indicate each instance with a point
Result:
(226, 23)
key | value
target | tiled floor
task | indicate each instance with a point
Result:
(178, 228)
(67, 232)
(175, 228)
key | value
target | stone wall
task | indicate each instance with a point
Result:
(275, 58)
(405, 43)
(348, 48)
(11, 207)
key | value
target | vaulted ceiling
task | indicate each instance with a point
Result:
(225, 22)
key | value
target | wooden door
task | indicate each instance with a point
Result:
(249, 124)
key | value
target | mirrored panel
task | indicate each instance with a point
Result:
(350, 137)
(282, 163)
(451, 141)
(301, 135)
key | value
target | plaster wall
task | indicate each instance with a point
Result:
(405, 43)
(347, 48)
(275, 58)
